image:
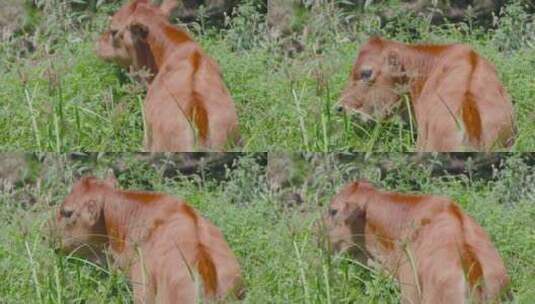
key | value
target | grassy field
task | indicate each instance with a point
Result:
(61, 97)
(276, 245)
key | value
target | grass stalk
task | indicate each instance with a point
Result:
(302, 271)
(297, 100)
(327, 283)
(35, 129)
(34, 272)
(58, 285)
(411, 118)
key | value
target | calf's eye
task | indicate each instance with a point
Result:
(366, 74)
(66, 213)
(332, 212)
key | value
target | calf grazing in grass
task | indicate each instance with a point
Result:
(457, 98)
(187, 105)
(162, 244)
(438, 253)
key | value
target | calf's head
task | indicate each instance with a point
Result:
(346, 218)
(122, 43)
(372, 90)
(115, 44)
(80, 218)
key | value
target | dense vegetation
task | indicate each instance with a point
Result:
(275, 241)
(56, 95)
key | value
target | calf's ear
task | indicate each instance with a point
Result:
(143, 58)
(364, 183)
(110, 179)
(393, 62)
(365, 191)
(137, 2)
(361, 184)
(94, 211)
(168, 6)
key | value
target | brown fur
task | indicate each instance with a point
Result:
(454, 259)
(187, 106)
(458, 100)
(156, 239)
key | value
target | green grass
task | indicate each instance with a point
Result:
(63, 98)
(276, 246)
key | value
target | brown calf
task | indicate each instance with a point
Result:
(438, 253)
(187, 105)
(457, 98)
(160, 242)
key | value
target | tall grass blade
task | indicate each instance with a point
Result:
(34, 121)
(34, 272)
